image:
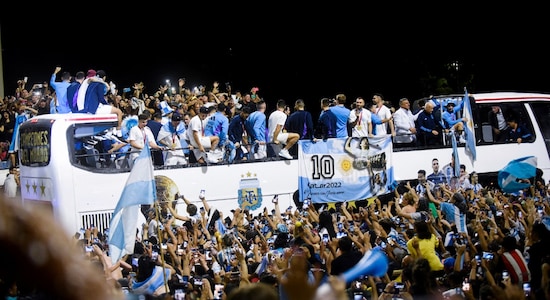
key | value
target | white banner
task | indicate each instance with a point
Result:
(345, 169)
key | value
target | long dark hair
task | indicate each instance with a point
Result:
(422, 230)
(212, 224)
(145, 268)
(325, 221)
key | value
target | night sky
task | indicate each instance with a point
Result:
(288, 53)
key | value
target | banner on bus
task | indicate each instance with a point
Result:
(345, 169)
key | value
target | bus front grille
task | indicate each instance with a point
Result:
(100, 220)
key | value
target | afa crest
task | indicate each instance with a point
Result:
(250, 192)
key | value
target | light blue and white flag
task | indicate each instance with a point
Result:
(455, 156)
(140, 189)
(469, 131)
(521, 168)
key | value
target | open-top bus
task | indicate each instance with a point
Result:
(63, 171)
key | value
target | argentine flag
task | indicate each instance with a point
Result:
(469, 131)
(521, 168)
(140, 189)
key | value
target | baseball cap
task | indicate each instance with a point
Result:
(203, 110)
(91, 73)
(176, 117)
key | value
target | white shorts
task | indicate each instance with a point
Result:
(104, 109)
(205, 142)
(174, 160)
(282, 137)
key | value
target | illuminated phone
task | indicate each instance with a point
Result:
(466, 285)
(275, 199)
(179, 294)
(527, 289)
(218, 291)
(399, 286)
(325, 238)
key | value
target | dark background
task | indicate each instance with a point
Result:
(288, 51)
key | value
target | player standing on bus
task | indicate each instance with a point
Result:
(138, 136)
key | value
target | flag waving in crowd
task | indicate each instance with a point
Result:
(514, 176)
(469, 128)
(139, 189)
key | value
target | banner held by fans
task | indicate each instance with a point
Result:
(345, 169)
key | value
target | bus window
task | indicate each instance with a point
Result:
(34, 144)
(91, 146)
(542, 116)
(490, 134)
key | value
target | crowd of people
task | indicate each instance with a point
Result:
(447, 237)
(442, 241)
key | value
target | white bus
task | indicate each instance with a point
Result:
(64, 171)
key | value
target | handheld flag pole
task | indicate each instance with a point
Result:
(140, 189)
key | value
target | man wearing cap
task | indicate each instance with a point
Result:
(451, 122)
(170, 136)
(81, 93)
(199, 141)
(95, 89)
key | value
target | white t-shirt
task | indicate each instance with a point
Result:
(198, 125)
(276, 118)
(138, 135)
(384, 113)
(195, 124)
(361, 128)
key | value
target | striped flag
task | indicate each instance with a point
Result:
(469, 130)
(521, 168)
(140, 189)
(455, 155)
